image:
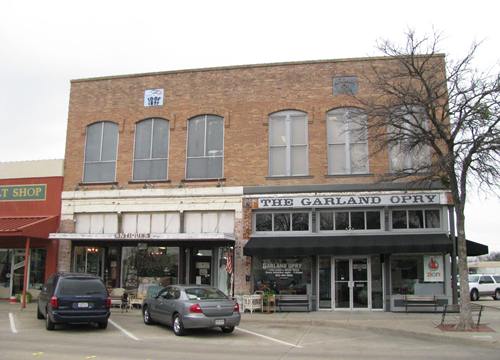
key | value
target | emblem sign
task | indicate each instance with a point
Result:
(153, 97)
(433, 268)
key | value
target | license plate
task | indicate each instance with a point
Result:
(82, 305)
(219, 322)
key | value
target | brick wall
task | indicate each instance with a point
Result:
(244, 96)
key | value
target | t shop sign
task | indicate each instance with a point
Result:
(433, 268)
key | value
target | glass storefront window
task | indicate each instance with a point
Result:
(5, 273)
(282, 276)
(146, 270)
(264, 222)
(325, 282)
(377, 285)
(37, 268)
(407, 277)
(282, 221)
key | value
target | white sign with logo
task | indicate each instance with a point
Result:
(353, 200)
(433, 268)
(153, 97)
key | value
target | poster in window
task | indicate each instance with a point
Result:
(433, 268)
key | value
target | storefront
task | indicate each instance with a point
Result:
(29, 211)
(352, 251)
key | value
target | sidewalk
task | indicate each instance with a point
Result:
(419, 325)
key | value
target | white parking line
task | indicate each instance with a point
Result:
(129, 334)
(12, 323)
(268, 338)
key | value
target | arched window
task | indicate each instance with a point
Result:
(151, 150)
(407, 153)
(205, 150)
(288, 146)
(347, 141)
(100, 152)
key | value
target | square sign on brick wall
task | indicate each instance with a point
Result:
(153, 97)
(347, 85)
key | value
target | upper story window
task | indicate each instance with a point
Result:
(100, 152)
(416, 219)
(282, 221)
(407, 153)
(205, 150)
(349, 220)
(347, 141)
(151, 150)
(288, 144)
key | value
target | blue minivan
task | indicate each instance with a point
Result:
(73, 298)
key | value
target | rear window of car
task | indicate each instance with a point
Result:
(474, 278)
(497, 278)
(81, 286)
(204, 294)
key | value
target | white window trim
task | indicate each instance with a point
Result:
(441, 227)
(289, 232)
(151, 149)
(85, 162)
(347, 146)
(365, 230)
(288, 146)
(205, 118)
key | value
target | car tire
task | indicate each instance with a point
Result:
(227, 329)
(103, 325)
(474, 295)
(146, 316)
(49, 324)
(497, 294)
(178, 326)
(39, 314)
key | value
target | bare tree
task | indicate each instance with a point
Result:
(438, 121)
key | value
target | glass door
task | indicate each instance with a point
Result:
(342, 284)
(17, 272)
(352, 285)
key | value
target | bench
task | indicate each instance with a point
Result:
(290, 302)
(420, 301)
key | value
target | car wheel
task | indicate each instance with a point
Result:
(39, 314)
(497, 294)
(146, 316)
(178, 326)
(49, 324)
(474, 295)
(103, 325)
(227, 329)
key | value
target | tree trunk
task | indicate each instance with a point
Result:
(465, 321)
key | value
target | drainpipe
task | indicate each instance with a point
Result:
(451, 215)
(26, 280)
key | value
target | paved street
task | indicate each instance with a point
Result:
(331, 335)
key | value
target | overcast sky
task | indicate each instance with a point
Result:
(45, 44)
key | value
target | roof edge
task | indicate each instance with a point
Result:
(236, 67)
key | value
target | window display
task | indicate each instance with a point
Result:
(282, 276)
(407, 276)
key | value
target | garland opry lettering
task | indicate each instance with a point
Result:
(356, 201)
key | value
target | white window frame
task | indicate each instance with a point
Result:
(205, 116)
(151, 148)
(272, 213)
(409, 157)
(288, 146)
(85, 162)
(347, 142)
(381, 215)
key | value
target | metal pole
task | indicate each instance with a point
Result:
(454, 290)
(25, 280)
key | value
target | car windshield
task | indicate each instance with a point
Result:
(473, 278)
(204, 294)
(81, 286)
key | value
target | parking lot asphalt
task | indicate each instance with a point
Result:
(314, 335)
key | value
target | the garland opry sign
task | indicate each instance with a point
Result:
(353, 200)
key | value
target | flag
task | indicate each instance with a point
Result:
(229, 263)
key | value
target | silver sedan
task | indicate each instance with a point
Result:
(191, 307)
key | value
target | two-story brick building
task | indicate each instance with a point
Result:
(167, 175)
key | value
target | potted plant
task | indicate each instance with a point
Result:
(19, 297)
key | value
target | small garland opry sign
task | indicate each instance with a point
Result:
(351, 201)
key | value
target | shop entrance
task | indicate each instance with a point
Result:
(17, 276)
(350, 283)
(201, 267)
(351, 286)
